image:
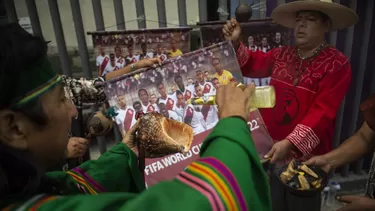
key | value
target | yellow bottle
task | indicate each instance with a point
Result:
(263, 97)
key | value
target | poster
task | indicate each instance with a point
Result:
(166, 89)
(117, 49)
(257, 35)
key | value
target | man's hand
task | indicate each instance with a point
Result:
(77, 147)
(232, 31)
(148, 63)
(279, 151)
(234, 101)
(130, 138)
(356, 203)
(320, 161)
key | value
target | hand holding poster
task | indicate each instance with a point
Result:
(167, 89)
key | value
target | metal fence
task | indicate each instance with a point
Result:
(355, 42)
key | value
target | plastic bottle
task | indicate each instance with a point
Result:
(324, 195)
(263, 97)
(331, 198)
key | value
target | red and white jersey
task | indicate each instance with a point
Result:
(132, 59)
(99, 59)
(150, 108)
(210, 54)
(109, 68)
(121, 61)
(170, 101)
(188, 92)
(162, 56)
(208, 88)
(126, 118)
(194, 118)
(179, 110)
(102, 62)
(173, 115)
(148, 55)
(210, 115)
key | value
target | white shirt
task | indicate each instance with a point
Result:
(99, 60)
(265, 49)
(188, 92)
(109, 68)
(162, 56)
(212, 117)
(253, 48)
(132, 59)
(208, 88)
(150, 108)
(197, 122)
(183, 67)
(125, 118)
(169, 102)
(149, 55)
(174, 115)
(121, 62)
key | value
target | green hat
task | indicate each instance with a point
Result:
(30, 84)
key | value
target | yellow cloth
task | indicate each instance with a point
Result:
(175, 53)
(224, 78)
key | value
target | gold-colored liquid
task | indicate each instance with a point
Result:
(263, 97)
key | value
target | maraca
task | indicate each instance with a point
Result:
(243, 13)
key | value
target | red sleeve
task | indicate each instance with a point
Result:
(255, 64)
(322, 114)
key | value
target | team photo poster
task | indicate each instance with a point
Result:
(262, 35)
(117, 49)
(167, 89)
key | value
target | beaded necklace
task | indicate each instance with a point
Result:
(302, 59)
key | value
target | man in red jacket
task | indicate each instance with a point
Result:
(310, 79)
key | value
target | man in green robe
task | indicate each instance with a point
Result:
(35, 119)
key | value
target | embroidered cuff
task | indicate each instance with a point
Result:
(242, 55)
(304, 138)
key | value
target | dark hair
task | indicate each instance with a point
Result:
(178, 92)
(176, 77)
(196, 85)
(136, 103)
(158, 84)
(112, 55)
(19, 50)
(198, 71)
(215, 79)
(117, 47)
(142, 90)
(214, 59)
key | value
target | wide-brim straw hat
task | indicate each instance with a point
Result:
(341, 16)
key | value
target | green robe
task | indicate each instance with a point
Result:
(228, 176)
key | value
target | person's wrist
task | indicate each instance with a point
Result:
(236, 44)
(134, 66)
(290, 145)
(233, 114)
(331, 161)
